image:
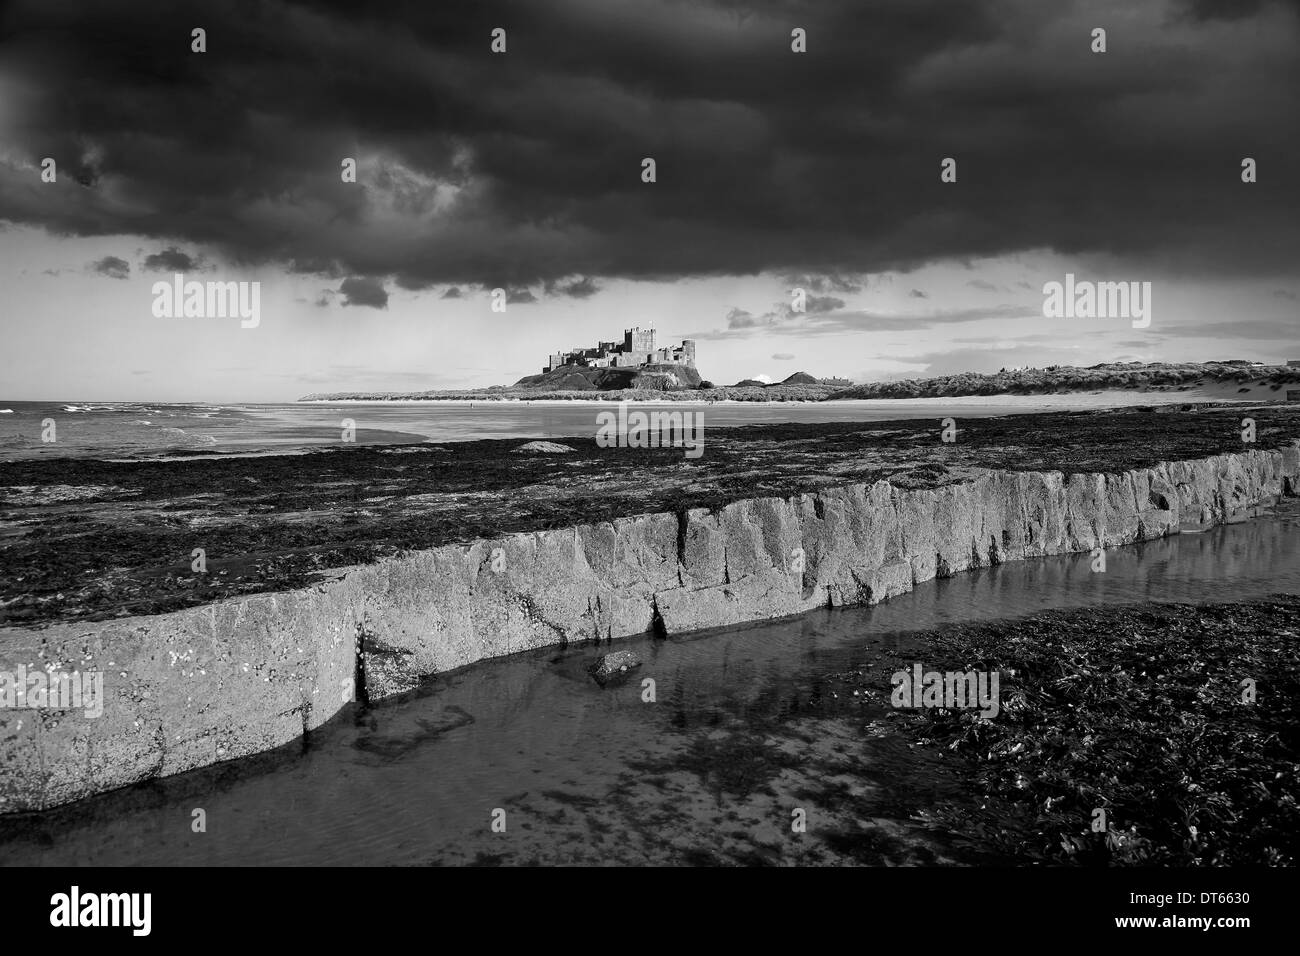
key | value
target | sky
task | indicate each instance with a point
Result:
(522, 170)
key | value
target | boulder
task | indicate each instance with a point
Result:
(613, 668)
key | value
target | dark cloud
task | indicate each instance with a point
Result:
(360, 290)
(782, 357)
(520, 296)
(782, 314)
(452, 293)
(413, 283)
(111, 266)
(1227, 9)
(826, 283)
(917, 294)
(506, 171)
(169, 260)
(319, 267)
(1284, 294)
(817, 304)
(984, 286)
(583, 288)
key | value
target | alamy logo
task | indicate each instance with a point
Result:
(953, 690)
(208, 300)
(53, 690)
(657, 429)
(1098, 300)
(103, 909)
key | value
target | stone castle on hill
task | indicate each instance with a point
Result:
(636, 349)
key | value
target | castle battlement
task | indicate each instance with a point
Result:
(637, 349)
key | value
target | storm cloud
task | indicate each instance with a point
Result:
(170, 260)
(360, 290)
(111, 266)
(509, 170)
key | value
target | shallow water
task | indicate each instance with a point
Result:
(746, 729)
(139, 430)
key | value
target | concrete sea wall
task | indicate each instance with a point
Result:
(212, 683)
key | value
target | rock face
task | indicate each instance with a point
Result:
(207, 684)
(613, 668)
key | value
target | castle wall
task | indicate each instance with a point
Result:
(636, 349)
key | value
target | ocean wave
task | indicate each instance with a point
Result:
(118, 407)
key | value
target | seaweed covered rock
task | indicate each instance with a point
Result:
(613, 668)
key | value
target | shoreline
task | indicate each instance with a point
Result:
(1105, 398)
(243, 675)
(304, 428)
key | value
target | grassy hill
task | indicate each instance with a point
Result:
(573, 378)
(1124, 376)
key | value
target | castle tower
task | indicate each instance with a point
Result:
(638, 340)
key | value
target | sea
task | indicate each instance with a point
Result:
(143, 430)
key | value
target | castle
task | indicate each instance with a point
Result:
(636, 349)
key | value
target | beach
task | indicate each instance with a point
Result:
(241, 606)
(95, 539)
